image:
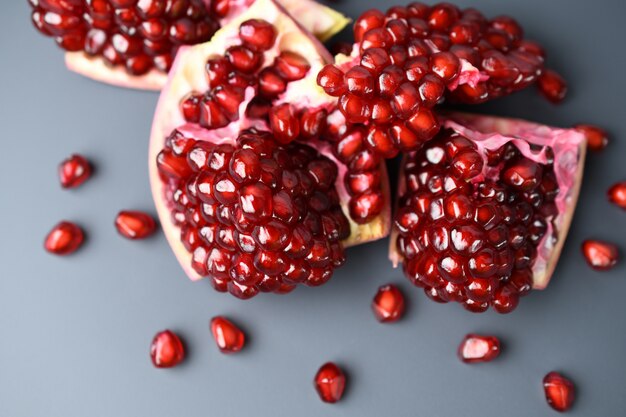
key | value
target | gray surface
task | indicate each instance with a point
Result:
(75, 331)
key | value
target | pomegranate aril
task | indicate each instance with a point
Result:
(291, 66)
(597, 138)
(600, 255)
(330, 382)
(552, 86)
(243, 59)
(617, 194)
(284, 123)
(166, 350)
(64, 238)
(228, 337)
(135, 224)
(331, 78)
(388, 304)
(477, 348)
(74, 171)
(559, 391)
(257, 34)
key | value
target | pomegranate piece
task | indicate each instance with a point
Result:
(166, 350)
(134, 224)
(597, 138)
(600, 255)
(478, 348)
(74, 171)
(330, 383)
(552, 86)
(560, 391)
(64, 238)
(484, 209)
(228, 337)
(617, 194)
(388, 304)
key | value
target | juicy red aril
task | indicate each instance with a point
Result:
(141, 36)
(597, 138)
(330, 382)
(552, 86)
(64, 238)
(74, 171)
(166, 350)
(388, 304)
(134, 224)
(228, 337)
(469, 223)
(600, 255)
(617, 194)
(560, 391)
(291, 66)
(478, 348)
(257, 34)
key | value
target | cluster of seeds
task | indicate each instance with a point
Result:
(140, 35)
(256, 216)
(469, 224)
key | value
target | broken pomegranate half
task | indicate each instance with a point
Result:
(246, 195)
(484, 209)
(132, 43)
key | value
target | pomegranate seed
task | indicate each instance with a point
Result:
(330, 383)
(388, 304)
(597, 139)
(74, 171)
(617, 194)
(478, 348)
(560, 391)
(330, 78)
(291, 66)
(258, 34)
(552, 86)
(228, 337)
(369, 20)
(166, 350)
(134, 224)
(64, 238)
(284, 122)
(600, 255)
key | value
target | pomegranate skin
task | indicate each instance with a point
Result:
(560, 391)
(166, 350)
(600, 255)
(478, 348)
(135, 225)
(228, 337)
(64, 239)
(330, 383)
(388, 304)
(74, 171)
(617, 195)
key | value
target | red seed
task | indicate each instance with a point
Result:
(552, 86)
(291, 66)
(228, 337)
(330, 78)
(166, 350)
(597, 138)
(257, 34)
(617, 194)
(64, 238)
(388, 304)
(600, 255)
(560, 391)
(477, 348)
(74, 171)
(134, 224)
(330, 383)
(285, 123)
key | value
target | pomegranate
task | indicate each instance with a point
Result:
(228, 337)
(65, 238)
(74, 171)
(388, 304)
(134, 224)
(600, 255)
(247, 191)
(617, 194)
(166, 350)
(478, 348)
(132, 43)
(330, 382)
(560, 391)
(484, 209)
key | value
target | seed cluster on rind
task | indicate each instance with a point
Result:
(138, 35)
(256, 216)
(469, 224)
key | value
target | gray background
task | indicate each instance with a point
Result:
(75, 332)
